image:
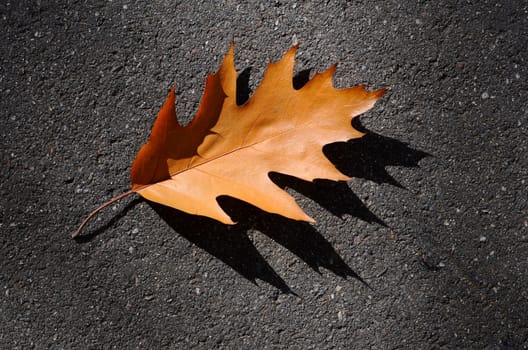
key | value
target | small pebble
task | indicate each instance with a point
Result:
(484, 95)
(340, 315)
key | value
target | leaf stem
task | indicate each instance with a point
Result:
(98, 209)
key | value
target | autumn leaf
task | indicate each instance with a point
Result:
(229, 149)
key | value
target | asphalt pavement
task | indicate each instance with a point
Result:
(426, 247)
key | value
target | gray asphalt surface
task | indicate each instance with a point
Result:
(435, 221)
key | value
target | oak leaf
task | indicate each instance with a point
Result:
(229, 149)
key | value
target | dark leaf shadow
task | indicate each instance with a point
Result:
(300, 238)
(242, 87)
(368, 156)
(301, 78)
(230, 244)
(334, 196)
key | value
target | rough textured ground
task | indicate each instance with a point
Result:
(435, 220)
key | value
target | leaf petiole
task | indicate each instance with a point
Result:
(98, 209)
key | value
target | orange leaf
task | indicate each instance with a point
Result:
(230, 149)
